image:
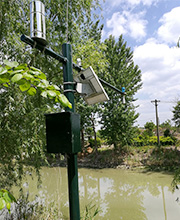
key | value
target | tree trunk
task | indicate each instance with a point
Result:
(95, 137)
(82, 138)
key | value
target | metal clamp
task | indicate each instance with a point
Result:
(69, 83)
(69, 90)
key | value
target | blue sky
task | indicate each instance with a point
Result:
(151, 28)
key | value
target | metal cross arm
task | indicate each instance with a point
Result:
(79, 69)
(111, 86)
(62, 59)
(43, 49)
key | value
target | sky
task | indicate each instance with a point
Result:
(152, 29)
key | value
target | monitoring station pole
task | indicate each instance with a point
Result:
(57, 143)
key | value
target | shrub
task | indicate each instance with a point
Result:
(167, 140)
(92, 142)
(138, 142)
(167, 133)
(142, 141)
(152, 140)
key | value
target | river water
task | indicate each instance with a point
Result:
(119, 194)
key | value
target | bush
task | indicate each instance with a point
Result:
(138, 142)
(167, 140)
(152, 140)
(92, 142)
(142, 141)
(167, 133)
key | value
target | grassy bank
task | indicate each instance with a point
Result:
(149, 157)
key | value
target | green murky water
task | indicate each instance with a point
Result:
(120, 194)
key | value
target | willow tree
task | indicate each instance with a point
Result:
(60, 28)
(22, 127)
(118, 118)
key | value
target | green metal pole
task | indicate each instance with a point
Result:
(72, 158)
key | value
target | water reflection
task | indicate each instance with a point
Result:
(120, 194)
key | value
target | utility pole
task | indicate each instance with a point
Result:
(157, 119)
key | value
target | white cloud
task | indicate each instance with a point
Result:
(130, 3)
(169, 30)
(160, 66)
(158, 60)
(144, 2)
(128, 23)
(117, 23)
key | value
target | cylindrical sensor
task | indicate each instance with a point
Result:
(37, 22)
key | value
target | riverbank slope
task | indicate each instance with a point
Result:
(147, 157)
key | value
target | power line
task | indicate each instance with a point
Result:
(168, 101)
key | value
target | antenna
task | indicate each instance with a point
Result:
(67, 21)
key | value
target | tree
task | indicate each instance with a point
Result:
(30, 79)
(176, 114)
(88, 114)
(22, 133)
(18, 114)
(166, 124)
(149, 126)
(118, 118)
(167, 133)
(14, 18)
(89, 49)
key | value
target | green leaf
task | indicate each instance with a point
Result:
(16, 77)
(10, 64)
(6, 197)
(51, 93)
(36, 73)
(51, 87)
(12, 197)
(55, 87)
(42, 76)
(2, 70)
(25, 86)
(21, 67)
(64, 101)
(27, 76)
(3, 190)
(21, 81)
(44, 94)
(44, 84)
(15, 71)
(41, 85)
(6, 84)
(8, 206)
(35, 69)
(2, 203)
(32, 91)
(4, 80)
(57, 99)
